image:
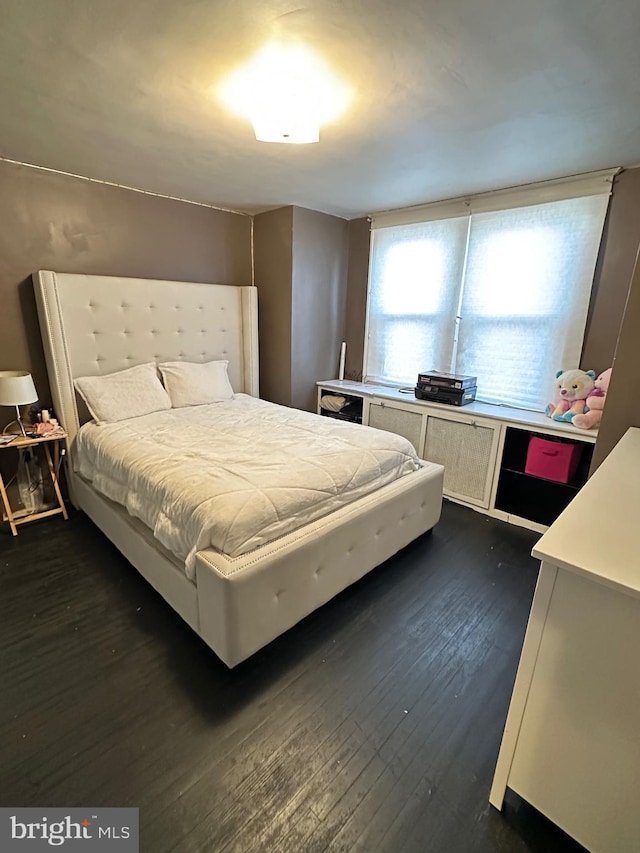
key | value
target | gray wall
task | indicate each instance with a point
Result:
(51, 221)
(320, 252)
(273, 253)
(311, 271)
(301, 274)
(357, 281)
(620, 242)
(622, 409)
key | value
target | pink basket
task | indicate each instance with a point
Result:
(552, 460)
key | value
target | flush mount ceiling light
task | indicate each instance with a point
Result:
(287, 92)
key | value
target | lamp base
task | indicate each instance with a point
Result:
(19, 420)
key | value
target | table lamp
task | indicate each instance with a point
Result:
(17, 389)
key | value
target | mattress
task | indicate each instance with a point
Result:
(236, 475)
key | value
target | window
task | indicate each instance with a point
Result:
(498, 294)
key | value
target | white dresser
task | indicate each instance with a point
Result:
(571, 745)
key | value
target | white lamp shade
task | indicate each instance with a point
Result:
(16, 388)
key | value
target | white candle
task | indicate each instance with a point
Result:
(343, 353)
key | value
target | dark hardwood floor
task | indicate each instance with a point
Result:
(373, 725)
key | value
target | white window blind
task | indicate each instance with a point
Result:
(501, 295)
(414, 292)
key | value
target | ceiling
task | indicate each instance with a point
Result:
(449, 96)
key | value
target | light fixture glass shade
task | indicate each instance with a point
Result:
(287, 92)
(16, 388)
(289, 130)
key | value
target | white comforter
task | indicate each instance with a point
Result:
(235, 475)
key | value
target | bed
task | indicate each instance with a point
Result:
(237, 602)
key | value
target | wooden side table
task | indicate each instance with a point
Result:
(53, 465)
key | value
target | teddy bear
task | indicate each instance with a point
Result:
(595, 403)
(572, 389)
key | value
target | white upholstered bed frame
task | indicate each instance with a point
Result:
(92, 325)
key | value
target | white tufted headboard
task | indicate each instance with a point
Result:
(93, 324)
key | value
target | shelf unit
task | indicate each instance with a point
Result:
(527, 495)
(352, 411)
(483, 449)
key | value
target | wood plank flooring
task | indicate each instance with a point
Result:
(373, 725)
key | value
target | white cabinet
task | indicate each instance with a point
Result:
(400, 418)
(467, 447)
(483, 449)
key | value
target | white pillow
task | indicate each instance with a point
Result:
(125, 394)
(192, 384)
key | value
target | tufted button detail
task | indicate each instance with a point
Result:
(155, 332)
(203, 354)
(349, 551)
(378, 532)
(200, 307)
(129, 357)
(152, 307)
(180, 332)
(181, 355)
(99, 358)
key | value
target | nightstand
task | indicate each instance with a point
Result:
(53, 464)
